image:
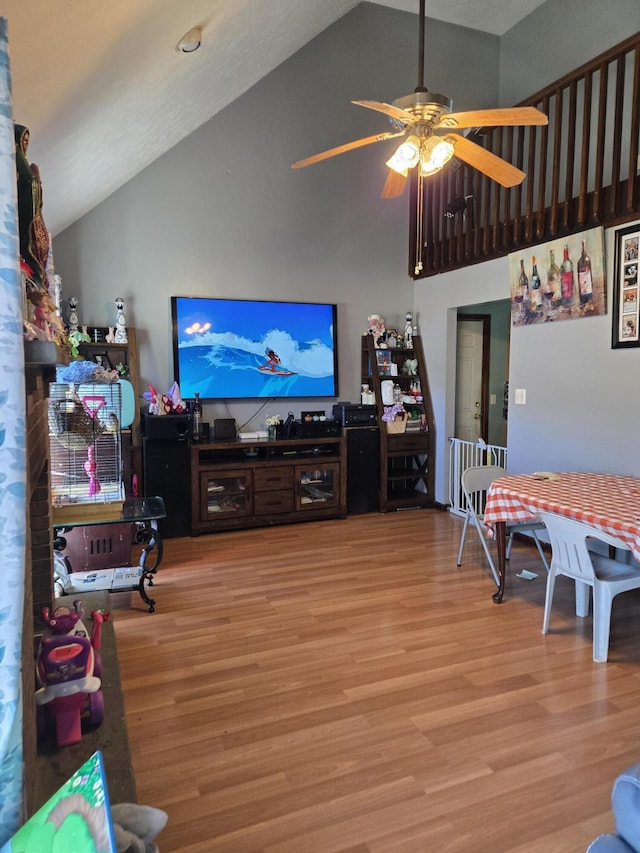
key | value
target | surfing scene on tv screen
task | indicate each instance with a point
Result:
(231, 349)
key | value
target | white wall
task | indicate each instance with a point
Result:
(437, 300)
(582, 410)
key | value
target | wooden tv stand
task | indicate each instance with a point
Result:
(236, 484)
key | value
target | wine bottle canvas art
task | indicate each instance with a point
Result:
(563, 279)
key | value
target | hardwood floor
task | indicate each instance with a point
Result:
(344, 686)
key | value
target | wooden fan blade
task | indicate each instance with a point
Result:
(389, 110)
(394, 185)
(348, 146)
(491, 165)
(510, 116)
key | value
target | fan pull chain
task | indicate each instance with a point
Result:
(419, 222)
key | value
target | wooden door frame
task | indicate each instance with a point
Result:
(485, 319)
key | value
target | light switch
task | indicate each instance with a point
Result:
(521, 396)
(493, 400)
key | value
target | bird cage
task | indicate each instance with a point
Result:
(85, 450)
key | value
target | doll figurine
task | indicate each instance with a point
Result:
(408, 330)
(121, 323)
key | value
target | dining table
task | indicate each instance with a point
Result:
(608, 502)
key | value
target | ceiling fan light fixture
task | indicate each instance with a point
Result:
(191, 41)
(434, 155)
(406, 156)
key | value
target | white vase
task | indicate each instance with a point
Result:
(386, 391)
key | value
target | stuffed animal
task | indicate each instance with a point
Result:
(135, 827)
(81, 371)
(177, 403)
(170, 403)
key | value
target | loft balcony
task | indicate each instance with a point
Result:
(583, 170)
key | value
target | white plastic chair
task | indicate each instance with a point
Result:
(475, 481)
(570, 556)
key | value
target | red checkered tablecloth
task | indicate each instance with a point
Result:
(604, 501)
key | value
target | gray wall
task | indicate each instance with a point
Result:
(222, 214)
(558, 37)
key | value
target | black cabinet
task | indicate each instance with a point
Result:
(166, 469)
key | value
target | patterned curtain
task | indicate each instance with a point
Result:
(12, 469)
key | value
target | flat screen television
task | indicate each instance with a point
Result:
(235, 348)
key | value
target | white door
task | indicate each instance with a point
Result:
(470, 352)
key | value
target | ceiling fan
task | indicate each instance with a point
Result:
(425, 118)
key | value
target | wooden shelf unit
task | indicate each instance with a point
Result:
(407, 473)
(236, 484)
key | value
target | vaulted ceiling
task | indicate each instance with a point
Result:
(104, 92)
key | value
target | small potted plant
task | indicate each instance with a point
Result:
(395, 418)
(272, 423)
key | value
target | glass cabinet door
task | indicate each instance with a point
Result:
(224, 493)
(317, 485)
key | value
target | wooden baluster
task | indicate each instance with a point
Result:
(584, 154)
(508, 194)
(543, 156)
(531, 172)
(557, 160)
(633, 146)
(618, 117)
(486, 215)
(517, 222)
(571, 144)
(497, 145)
(601, 124)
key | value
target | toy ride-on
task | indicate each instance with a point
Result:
(68, 668)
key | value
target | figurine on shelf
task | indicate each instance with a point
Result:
(121, 323)
(57, 292)
(408, 330)
(41, 322)
(41, 313)
(110, 337)
(28, 189)
(38, 235)
(73, 314)
(377, 329)
(75, 339)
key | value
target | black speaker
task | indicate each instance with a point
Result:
(166, 472)
(165, 427)
(363, 470)
(224, 428)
